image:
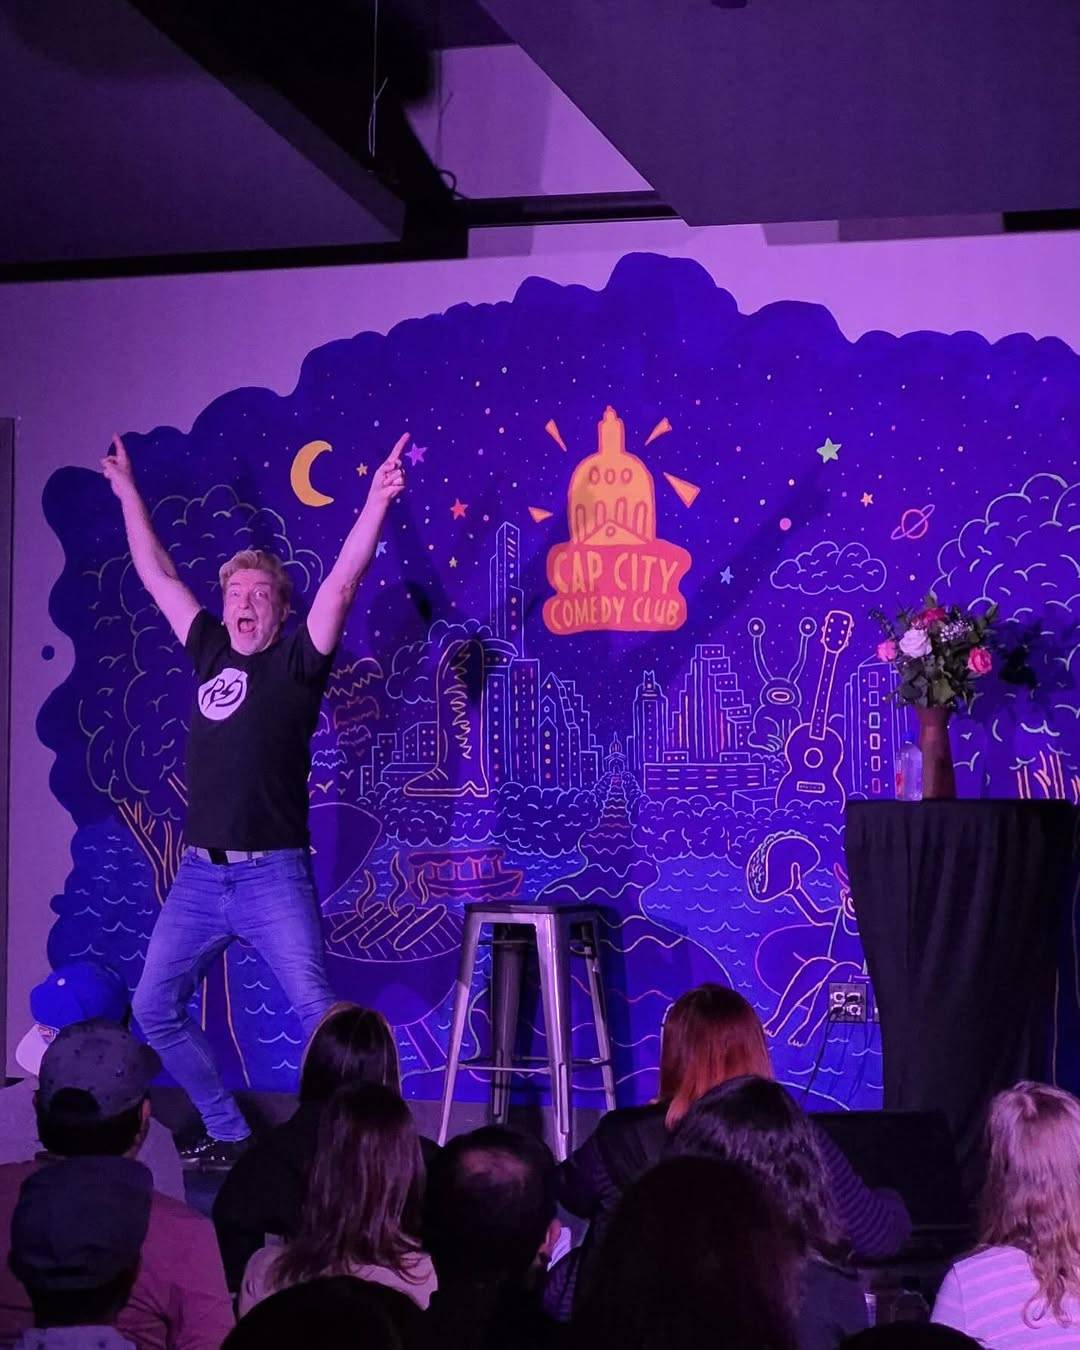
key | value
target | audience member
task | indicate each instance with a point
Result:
(361, 1216)
(77, 992)
(264, 1193)
(753, 1121)
(697, 1253)
(489, 1223)
(92, 1103)
(336, 1312)
(1022, 1285)
(910, 1336)
(711, 1034)
(76, 1235)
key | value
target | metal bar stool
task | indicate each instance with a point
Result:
(558, 932)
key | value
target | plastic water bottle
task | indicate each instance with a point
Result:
(909, 773)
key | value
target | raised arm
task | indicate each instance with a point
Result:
(156, 569)
(326, 618)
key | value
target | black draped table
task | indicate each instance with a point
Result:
(965, 914)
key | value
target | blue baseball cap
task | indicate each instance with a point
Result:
(80, 1223)
(76, 992)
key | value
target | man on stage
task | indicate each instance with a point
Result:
(245, 870)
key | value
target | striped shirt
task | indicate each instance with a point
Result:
(985, 1296)
(875, 1221)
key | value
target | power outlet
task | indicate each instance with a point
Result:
(847, 1002)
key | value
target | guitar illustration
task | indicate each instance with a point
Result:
(814, 751)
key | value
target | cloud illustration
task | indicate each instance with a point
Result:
(1021, 554)
(831, 567)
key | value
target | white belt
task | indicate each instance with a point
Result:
(230, 855)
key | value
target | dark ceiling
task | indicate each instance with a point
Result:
(783, 110)
(148, 135)
(178, 133)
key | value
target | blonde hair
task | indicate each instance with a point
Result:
(710, 1034)
(255, 560)
(1031, 1199)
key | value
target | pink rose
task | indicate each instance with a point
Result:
(915, 642)
(979, 661)
(886, 651)
(929, 616)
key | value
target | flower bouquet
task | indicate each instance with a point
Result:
(938, 652)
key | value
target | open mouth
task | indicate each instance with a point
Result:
(245, 626)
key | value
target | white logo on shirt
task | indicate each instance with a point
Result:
(220, 697)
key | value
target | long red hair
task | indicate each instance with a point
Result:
(710, 1034)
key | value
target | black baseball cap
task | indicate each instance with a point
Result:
(103, 1060)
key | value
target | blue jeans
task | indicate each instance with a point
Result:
(269, 902)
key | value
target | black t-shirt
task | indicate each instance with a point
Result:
(249, 753)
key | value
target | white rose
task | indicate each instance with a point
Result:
(915, 642)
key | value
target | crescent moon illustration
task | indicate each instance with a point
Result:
(300, 474)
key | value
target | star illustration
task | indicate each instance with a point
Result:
(416, 455)
(726, 576)
(829, 450)
(361, 469)
(459, 508)
(867, 499)
(380, 548)
(453, 562)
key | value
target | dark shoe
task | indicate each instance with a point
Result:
(213, 1154)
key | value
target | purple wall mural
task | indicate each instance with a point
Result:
(615, 645)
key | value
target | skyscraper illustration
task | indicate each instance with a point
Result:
(697, 742)
(875, 728)
(648, 740)
(507, 599)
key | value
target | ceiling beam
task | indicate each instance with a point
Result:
(309, 72)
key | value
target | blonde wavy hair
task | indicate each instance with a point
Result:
(256, 560)
(1031, 1198)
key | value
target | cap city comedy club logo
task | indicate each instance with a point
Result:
(614, 573)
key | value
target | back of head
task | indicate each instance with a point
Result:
(363, 1200)
(76, 1235)
(335, 1313)
(350, 1044)
(910, 1336)
(710, 1034)
(755, 1122)
(93, 1083)
(697, 1254)
(1030, 1198)
(490, 1201)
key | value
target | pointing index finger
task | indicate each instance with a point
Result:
(394, 457)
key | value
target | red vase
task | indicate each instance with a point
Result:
(938, 778)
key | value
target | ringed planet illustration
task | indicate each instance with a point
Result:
(913, 523)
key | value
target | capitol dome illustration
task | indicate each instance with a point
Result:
(611, 499)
